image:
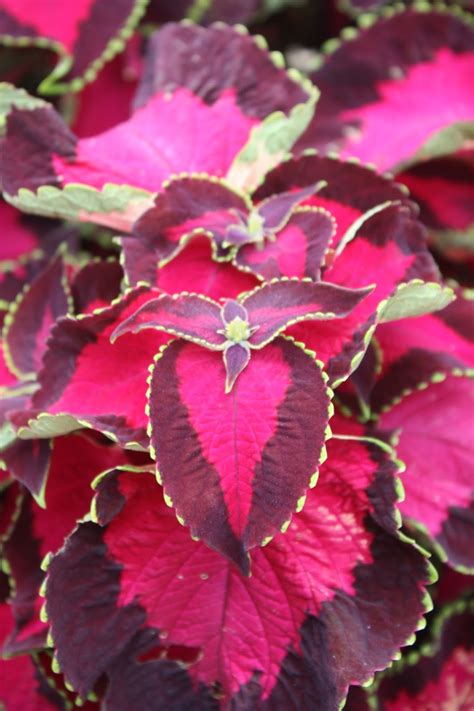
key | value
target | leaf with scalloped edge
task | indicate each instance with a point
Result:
(379, 78)
(439, 674)
(416, 351)
(188, 205)
(86, 381)
(450, 220)
(84, 35)
(75, 461)
(286, 635)
(222, 457)
(267, 311)
(194, 270)
(298, 250)
(96, 285)
(30, 318)
(182, 97)
(433, 429)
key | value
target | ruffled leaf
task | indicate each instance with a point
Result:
(231, 483)
(75, 462)
(268, 310)
(286, 634)
(96, 285)
(279, 304)
(190, 316)
(417, 351)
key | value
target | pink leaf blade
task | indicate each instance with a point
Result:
(298, 250)
(230, 484)
(327, 602)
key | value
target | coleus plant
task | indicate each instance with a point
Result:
(248, 555)
(83, 35)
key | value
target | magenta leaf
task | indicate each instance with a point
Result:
(417, 351)
(83, 34)
(187, 206)
(265, 644)
(181, 95)
(75, 461)
(438, 449)
(230, 483)
(449, 220)
(440, 673)
(383, 116)
(259, 318)
(299, 249)
(86, 381)
(189, 316)
(276, 305)
(193, 270)
(31, 317)
(21, 688)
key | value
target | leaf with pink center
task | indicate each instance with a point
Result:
(84, 34)
(438, 449)
(417, 351)
(286, 634)
(31, 317)
(374, 103)
(194, 269)
(231, 483)
(86, 381)
(298, 250)
(188, 206)
(450, 220)
(192, 114)
(439, 674)
(265, 312)
(75, 461)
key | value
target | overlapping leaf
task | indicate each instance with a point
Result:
(87, 381)
(438, 451)
(66, 497)
(305, 624)
(182, 97)
(84, 34)
(224, 459)
(374, 98)
(440, 674)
